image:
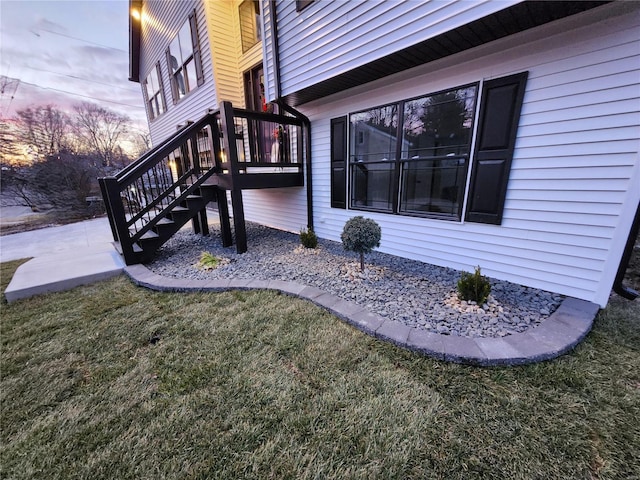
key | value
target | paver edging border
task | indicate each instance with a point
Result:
(557, 335)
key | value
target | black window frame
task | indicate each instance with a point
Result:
(481, 157)
(178, 72)
(149, 101)
(400, 165)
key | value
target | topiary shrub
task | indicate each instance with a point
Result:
(361, 235)
(308, 238)
(474, 287)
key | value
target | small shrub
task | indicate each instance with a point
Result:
(208, 261)
(308, 238)
(361, 235)
(474, 287)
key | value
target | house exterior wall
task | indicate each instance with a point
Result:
(331, 37)
(575, 178)
(224, 65)
(161, 21)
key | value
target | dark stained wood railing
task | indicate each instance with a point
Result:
(226, 150)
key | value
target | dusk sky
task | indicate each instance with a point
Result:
(65, 52)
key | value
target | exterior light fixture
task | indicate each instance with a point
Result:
(135, 13)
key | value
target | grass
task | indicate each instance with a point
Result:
(112, 381)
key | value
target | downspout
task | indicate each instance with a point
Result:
(618, 287)
(280, 101)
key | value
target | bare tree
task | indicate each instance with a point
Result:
(100, 130)
(141, 142)
(8, 144)
(43, 130)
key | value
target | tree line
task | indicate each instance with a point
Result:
(51, 159)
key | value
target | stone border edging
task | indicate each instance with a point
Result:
(557, 335)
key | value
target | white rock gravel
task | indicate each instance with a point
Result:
(420, 295)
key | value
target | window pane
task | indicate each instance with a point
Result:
(372, 185)
(433, 186)
(174, 55)
(180, 85)
(374, 134)
(190, 69)
(186, 47)
(249, 12)
(439, 125)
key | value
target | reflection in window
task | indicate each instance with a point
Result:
(154, 93)
(373, 137)
(182, 63)
(439, 124)
(250, 30)
(416, 167)
(436, 141)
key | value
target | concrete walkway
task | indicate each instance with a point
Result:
(63, 257)
(78, 254)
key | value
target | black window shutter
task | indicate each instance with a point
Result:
(172, 78)
(496, 137)
(339, 162)
(161, 86)
(195, 40)
(146, 98)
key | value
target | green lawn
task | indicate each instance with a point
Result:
(111, 381)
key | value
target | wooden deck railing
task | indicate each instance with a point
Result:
(232, 148)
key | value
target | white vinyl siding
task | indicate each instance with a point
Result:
(281, 208)
(331, 37)
(575, 177)
(161, 21)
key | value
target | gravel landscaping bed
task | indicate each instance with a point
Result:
(420, 295)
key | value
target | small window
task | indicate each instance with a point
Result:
(154, 93)
(183, 58)
(250, 30)
(302, 4)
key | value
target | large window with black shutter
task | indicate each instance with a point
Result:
(339, 162)
(413, 157)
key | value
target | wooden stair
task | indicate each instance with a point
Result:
(190, 207)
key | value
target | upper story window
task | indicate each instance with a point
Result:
(302, 4)
(250, 29)
(154, 93)
(183, 58)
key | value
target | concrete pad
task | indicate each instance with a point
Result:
(63, 271)
(54, 240)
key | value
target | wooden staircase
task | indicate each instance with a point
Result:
(154, 197)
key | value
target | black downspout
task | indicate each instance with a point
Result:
(292, 111)
(618, 287)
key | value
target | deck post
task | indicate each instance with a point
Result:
(228, 126)
(199, 222)
(112, 190)
(223, 213)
